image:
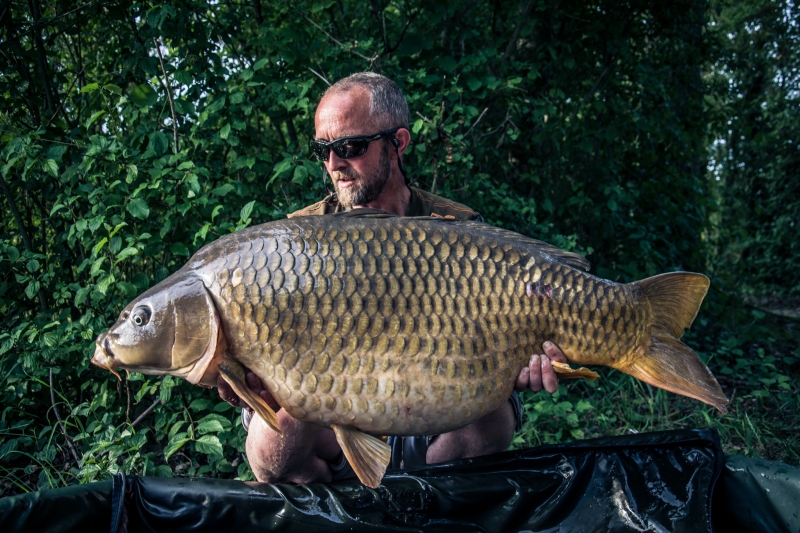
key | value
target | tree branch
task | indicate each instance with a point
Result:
(65, 97)
(320, 76)
(146, 412)
(167, 88)
(61, 424)
(524, 12)
(332, 38)
(42, 57)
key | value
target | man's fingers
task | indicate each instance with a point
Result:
(267, 397)
(226, 392)
(549, 378)
(554, 352)
(254, 382)
(535, 374)
(523, 379)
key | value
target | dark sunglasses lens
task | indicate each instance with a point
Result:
(349, 148)
(322, 152)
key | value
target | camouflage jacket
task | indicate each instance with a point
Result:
(422, 203)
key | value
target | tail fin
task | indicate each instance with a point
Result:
(667, 363)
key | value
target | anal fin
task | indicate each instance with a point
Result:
(233, 373)
(564, 371)
(369, 456)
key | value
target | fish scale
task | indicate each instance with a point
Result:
(366, 322)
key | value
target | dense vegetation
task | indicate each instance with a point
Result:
(650, 136)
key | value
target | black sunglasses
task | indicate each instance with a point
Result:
(349, 147)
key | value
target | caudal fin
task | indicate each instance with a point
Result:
(667, 363)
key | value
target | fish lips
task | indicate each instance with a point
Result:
(102, 355)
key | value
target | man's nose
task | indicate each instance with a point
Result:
(335, 162)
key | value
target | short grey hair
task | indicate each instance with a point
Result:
(387, 105)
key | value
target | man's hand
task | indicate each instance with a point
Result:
(539, 373)
(255, 384)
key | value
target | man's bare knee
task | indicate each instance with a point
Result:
(300, 455)
(492, 433)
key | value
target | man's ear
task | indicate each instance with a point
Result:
(403, 137)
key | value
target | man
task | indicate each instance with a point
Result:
(362, 131)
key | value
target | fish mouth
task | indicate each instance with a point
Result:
(103, 357)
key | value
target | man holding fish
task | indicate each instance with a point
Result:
(362, 131)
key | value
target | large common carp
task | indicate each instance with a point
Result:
(375, 324)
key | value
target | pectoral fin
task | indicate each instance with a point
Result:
(233, 373)
(369, 456)
(564, 371)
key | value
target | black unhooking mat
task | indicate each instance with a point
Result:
(647, 482)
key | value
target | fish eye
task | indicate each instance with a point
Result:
(141, 316)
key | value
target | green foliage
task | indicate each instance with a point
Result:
(755, 107)
(133, 134)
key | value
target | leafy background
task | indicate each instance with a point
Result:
(650, 136)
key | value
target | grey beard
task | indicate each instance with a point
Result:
(367, 189)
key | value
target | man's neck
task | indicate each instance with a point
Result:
(395, 198)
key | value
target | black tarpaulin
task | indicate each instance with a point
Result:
(646, 482)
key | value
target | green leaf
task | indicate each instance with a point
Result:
(32, 289)
(209, 426)
(222, 190)
(105, 283)
(280, 170)
(56, 208)
(131, 172)
(246, 210)
(178, 248)
(51, 167)
(225, 131)
(33, 265)
(244, 161)
(138, 208)
(6, 346)
(127, 288)
(158, 142)
(98, 263)
(95, 116)
(184, 107)
(200, 405)
(176, 444)
(81, 295)
(260, 63)
(127, 252)
(300, 174)
(143, 95)
(209, 444)
(113, 89)
(92, 87)
(13, 253)
(181, 76)
(216, 105)
(186, 165)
